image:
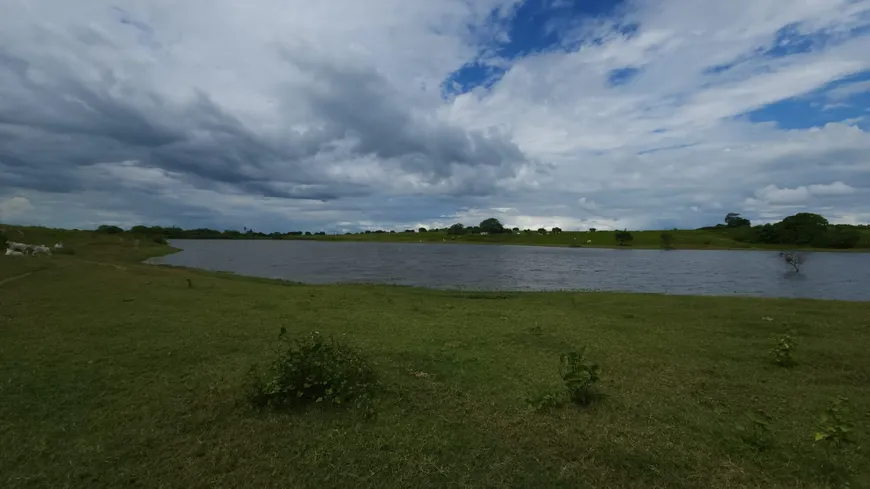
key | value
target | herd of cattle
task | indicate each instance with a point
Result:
(20, 249)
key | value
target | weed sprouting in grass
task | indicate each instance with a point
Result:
(756, 431)
(835, 425)
(313, 370)
(580, 377)
(782, 352)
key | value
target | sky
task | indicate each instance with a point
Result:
(339, 115)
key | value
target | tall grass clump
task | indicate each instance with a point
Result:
(314, 370)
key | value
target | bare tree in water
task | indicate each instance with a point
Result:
(793, 259)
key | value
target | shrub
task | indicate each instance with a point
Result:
(834, 425)
(623, 237)
(579, 377)
(107, 229)
(667, 240)
(782, 351)
(313, 370)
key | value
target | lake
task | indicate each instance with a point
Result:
(844, 276)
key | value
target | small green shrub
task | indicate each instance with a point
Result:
(834, 424)
(313, 370)
(782, 352)
(756, 431)
(580, 377)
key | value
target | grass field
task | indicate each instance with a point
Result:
(117, 374)
(682, 239)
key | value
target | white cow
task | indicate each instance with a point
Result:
(588, 241)
(58, 245)
(23, 248)
(41, 249)
(11, 252)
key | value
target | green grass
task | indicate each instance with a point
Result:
(117, 374)
(682, 239)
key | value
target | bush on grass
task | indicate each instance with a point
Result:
(580, 378)
(782, 351)
(313, 370)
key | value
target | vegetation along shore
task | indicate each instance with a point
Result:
(119, 374)
(800, 231)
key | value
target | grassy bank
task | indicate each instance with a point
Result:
(117, 374)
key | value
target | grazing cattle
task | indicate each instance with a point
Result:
(588, 241)
(58, 245)
(11, 252)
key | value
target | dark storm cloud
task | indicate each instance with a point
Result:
(51, 126)
(359, 102)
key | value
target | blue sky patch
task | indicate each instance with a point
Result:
(622, 76)
(844, 99)
(536, 26)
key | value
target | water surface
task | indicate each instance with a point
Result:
(843, 276)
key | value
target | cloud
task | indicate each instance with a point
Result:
(846, 91)
(13, 208)
(774, 195)
(280, 115)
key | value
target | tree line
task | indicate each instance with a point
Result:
(801, 229)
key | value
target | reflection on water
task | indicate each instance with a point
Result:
(758, 273)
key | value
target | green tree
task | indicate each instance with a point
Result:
(667, 240)
(623, 237)
(421, 230)
(556, 230)
(105, 228)
(491, 226)
(733, 220)
(542, 231)
(803, 228)
(456, 229)
(841, 237)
